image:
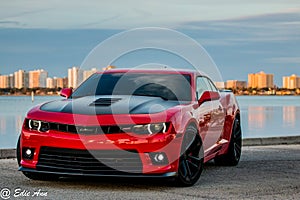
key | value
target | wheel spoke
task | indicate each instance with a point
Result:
(194, 158)
(190, 143)
(193, 164)
(237, 148)
(188, 169)
(183, 169)
(191, 160)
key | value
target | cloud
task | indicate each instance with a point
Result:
(267, 28)
(284, 60)
(57, 14)
(9, 22)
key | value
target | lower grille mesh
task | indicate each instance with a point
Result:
(110, 162)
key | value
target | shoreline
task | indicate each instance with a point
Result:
(287, 140)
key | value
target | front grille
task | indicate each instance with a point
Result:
(106, 162)
(85, 129)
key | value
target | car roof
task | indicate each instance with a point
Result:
(154, 71)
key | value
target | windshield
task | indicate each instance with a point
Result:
(167, 86)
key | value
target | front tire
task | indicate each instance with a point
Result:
(191, 158)
(18, 152)
(232, 157)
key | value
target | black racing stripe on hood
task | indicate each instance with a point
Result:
(96, 105)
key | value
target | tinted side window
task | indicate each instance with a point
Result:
(202, 86)
(211, 85)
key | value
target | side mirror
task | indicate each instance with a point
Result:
(66, 92)
(208, 96)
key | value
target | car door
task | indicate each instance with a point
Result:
(218, 112)
(208, 115)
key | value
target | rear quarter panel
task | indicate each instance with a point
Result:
(231, 107)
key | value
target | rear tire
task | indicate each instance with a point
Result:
(191, 159)
(232, 157)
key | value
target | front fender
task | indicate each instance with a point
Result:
(182, 119)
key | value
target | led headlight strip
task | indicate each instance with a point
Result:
(38, 125)
(150, 131)
(35, 121)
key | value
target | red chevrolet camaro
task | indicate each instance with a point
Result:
(133, 123)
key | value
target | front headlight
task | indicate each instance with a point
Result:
(38, 125)
(149, 128)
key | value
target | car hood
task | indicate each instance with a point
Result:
(91, 105)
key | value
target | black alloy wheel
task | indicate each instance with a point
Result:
(232, 157)
(191, 159)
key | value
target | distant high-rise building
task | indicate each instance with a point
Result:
(3, 81)
(11, 81)
(34, 79)
(235, 84)
(252, 81)
(43, 78)
(220, 85)
(260, 80)
(65, 82)
(291, 82)
(37, 78)
(75, 77)
(19, 79)
(26, 79)
(88, 73)
(50, 83)
(55, 82)
(58, 82)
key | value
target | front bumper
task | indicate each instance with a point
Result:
(165, 175)
(169, 144)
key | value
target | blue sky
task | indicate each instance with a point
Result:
(241, 36)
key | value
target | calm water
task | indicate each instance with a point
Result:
(262, 116)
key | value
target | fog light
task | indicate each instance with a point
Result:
(28, 153)
(159, 158)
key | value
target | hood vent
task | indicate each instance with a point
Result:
(105, 101)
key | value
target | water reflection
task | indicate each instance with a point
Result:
(260, 116)
(19, 123)
(289, 115)
(10, 128)
(12, 113)
(256, 116)
(2, 125)
(270, 120)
